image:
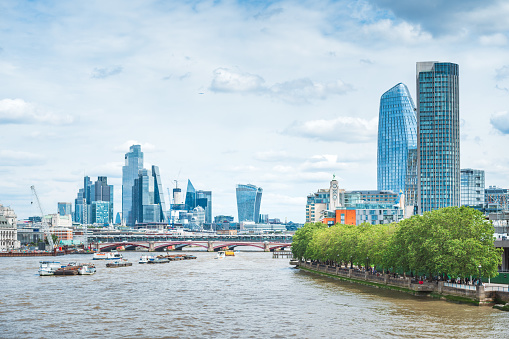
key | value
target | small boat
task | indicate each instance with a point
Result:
(220, 255)
(189, 256)
(48, 267)
(144, 259)
(67, 270)
(158, 260)
(119, 263)
(229, 253)
(113, 255)
(86, 269)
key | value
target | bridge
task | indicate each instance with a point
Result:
(211, 246)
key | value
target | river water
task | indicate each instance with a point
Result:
(250, 295)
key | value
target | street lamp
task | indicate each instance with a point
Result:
(479, 281)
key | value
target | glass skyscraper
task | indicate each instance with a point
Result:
(397, 144)
(472, 187)
(190, 196)
(133, 163)
(438, 142)
(204, 199)
(249, 198)
(147, 198)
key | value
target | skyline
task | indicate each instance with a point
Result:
(275, 94)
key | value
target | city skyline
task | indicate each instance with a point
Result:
(277, 94)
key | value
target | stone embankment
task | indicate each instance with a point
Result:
(476, 295)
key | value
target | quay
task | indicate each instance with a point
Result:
(471, 294)
(30, 254)
(282, 254)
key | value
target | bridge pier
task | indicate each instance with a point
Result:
(266, 247)
(97, 247)
(151, 247)
(210, 246)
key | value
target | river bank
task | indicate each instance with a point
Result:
(474, 295)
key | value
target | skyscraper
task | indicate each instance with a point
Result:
(64, 208)
(133, 163)
(204, 199)
(91, 193)
(249, 198)
(147, 198)
(472, 187)
(438, 142)
(397, 144)
(190, 196)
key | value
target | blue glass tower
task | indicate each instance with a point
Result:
(397, 143)
(190, 196)
(133, 163)
(249, 198)
(438, 141)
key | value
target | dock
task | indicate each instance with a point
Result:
(282, 254)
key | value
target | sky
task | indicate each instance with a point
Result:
(279, 94)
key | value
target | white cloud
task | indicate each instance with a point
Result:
(276, 156)
(18, 111)
(403, 32)
(296, 91)
(104, 72)
(500, 121)
(344, 129)
(498, 39)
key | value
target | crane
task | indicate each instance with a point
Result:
(45, 226)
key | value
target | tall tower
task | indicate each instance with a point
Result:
(397, 144)
(334, 192)
(438, 142)
(133, 163)
(249, 198)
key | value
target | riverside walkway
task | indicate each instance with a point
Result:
(478, 295)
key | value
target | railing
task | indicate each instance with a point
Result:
(497, 288)
(462, 286)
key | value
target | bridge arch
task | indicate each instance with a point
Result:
(179, 245)
(108, 247)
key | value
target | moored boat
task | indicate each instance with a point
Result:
(113, 255)
(86, 269)
(48, 267)
(119, 263)
(229, 253)
(158, 260)
(220, 255)
(144, 259)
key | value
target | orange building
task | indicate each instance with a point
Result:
(345, 216)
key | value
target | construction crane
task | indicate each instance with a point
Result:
(45, 226)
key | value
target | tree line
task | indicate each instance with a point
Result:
(450, 241)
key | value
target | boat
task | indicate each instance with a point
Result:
(113, 255)
(229, 253)
(67, 270)
(220, 255)
(144, 259)
(158, 260)
(119, 263)
(86, 269)
(189, 256)
(48, 267)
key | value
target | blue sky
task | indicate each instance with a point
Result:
(278, 94)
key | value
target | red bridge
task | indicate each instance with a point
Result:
(211, 246)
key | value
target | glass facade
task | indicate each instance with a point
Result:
(397, 143)
(472, 187)
(147, 198)
(190, 196)
(438, 141)
(204, 199)
(100, 212)
(64, 208)
(158, 193)
(133, 163)
(496, 199)
(249, 198)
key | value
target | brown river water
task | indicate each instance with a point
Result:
(250, 295)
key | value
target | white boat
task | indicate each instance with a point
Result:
(49, 267)
(221, 255)
(113, 255)
(86, 269)
(145, 259)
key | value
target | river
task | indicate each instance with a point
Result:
(250, 295)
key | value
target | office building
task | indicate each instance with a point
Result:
(190, 196)
(133, 164)
(438, 142)
(8, 229)
(472, 188)
(99, 194)
(249, 198)
(496, 199)
(397, 145)
(204, 199)
(147, 198)
(64, 208)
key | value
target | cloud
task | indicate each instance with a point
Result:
(18, 111)
(20, 158)
(267, 14)
(293, 91)
(388, 30)
(498, 39)
(344, 129)
(226, 80)
(502, 73)
(500, 121)
(104, 72)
